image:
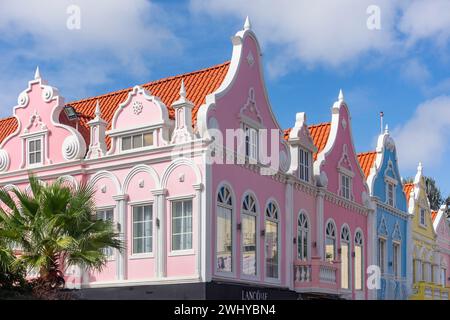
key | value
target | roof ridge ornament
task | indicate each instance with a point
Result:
(341, 96)
(386, 129)
(247, 24)
(98, 112)
(182, 90)
(37, 74)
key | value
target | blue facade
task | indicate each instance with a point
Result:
(391, 219)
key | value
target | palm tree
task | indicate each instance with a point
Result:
(55, 227)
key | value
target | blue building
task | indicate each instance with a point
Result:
(391, 231)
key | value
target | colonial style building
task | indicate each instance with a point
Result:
(391, 229)
(214, 200)
(441, 225)
(425, 254)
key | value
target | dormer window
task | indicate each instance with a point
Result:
(34, 151)
(390, 195)
(304, 165)
(251, 143)
(346, 186)
(137, 141)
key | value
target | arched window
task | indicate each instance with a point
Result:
(224, 240)
(359, 262)
(345, 258)
(249, 221)
(271, 240)
(302, 237)
(330, 241)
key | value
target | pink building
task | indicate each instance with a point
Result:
(441, 225)
(201, 215)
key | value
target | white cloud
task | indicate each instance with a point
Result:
(426, 135)
(425, 19)
(321, 31)
(116, 37)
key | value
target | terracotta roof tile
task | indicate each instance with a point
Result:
(320, 133)
(7, 126)
(407, 187)
(366, 161)
(198, 85)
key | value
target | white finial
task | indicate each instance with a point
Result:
(420, 167)
(341, 96)
(386, 129)
(37, 74)
(98, 113)
(182, 89)
(247, 24)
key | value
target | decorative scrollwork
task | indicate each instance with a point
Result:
(71, 148)
(4, 160)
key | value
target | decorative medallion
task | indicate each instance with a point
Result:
(137, 107)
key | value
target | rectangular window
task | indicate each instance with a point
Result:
(249, 244)
(143, 229)
(329, 249)
(382, 255)
(34, 151)
(224, 239)
(271, 239)
(182, 225)
(346, 186)
(345, 266)
(396, 259)
(251, 143)
(137, 141)
(304, 165)
(422, 217)
(358, 268)
(443, 276)
(390, 194)
(106, 215)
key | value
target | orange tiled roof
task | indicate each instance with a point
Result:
(198, 85)
(407, 187)
(8, 126)
(433, 215)
(320, 133)
(366, 161)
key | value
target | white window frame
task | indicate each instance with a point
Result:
(381, 259)
(276, 220)
(424, 224)
(131, 135)
(254, 214)
(300, 242)
(110, 257)
(388, 198)
(135, 255)
(344, 188)
(304, 167)
(361, 245)
(230, 207)
(252, 134)
(332, 237)
(179, 252)
(39, 138)
(396, 261)
(348, 242)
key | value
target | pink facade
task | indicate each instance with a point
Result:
(441, 224)
(151, 164)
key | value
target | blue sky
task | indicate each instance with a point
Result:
(311, 50)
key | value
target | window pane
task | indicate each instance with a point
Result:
(37, 157)
(137, 141)
(345, 266)
(148, 139)
(126, 143)
(358, 268)
(38, 145)
(224, 239)
(271, 242)
(31, 146)
(249, 244)
(182, 225)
